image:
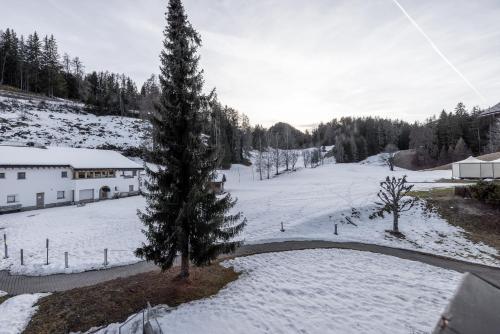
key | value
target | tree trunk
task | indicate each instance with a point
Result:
(395, 227)
(184, 265)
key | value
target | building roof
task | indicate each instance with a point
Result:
(493, 111)
(469, 160)
(78, 158)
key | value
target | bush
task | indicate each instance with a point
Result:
(487, 192)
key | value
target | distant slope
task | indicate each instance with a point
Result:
(25, 117)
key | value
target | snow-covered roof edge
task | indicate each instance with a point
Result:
(77, 158)
(469, 160)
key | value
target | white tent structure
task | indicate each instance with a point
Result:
(472, 168)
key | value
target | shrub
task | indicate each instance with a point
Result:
(487, 192)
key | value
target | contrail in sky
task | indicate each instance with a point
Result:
(434, 46)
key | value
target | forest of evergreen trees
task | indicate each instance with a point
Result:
(440, 140)
(33, 64)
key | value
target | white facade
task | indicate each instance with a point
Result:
(35, 185)
(472, 168)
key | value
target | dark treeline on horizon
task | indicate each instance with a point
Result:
(440, 140)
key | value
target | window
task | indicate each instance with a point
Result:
(64, 174)
(11, 198)
(2, 175)
(134, 173)
(21, 175)
(130, 188)
(60, 195)
(97, 174)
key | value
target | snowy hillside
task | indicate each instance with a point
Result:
(308, 202)
(64, 123)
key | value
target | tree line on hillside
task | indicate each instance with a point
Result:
(439, 140)
(34, 64)
(454, 136)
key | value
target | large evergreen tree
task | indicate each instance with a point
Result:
(183, 215)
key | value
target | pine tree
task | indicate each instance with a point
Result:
(183, 215)
(33, 61)
(461, 150)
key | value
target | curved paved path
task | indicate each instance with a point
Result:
(16, 284)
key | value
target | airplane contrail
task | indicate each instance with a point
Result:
(434, 46)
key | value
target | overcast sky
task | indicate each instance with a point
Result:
(296, 61)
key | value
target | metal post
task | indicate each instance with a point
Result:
(65, 259)
(47, 247)
(105, 256)
(22, 258)
(282, 228)
(6, 252)
(336, 229)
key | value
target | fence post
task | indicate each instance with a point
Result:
(6, 253)
(65, 259)
(105, 256)
(336, 229)
(22, 257)
(47, 247)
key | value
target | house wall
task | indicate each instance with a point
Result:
(49, 181)
(119, 185)
(38, 180)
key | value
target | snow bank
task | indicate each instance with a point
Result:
(321, 291)
(16, 312)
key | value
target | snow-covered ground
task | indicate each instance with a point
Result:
(16, 312)
(65, 123)
(319, 291)
(303, 200)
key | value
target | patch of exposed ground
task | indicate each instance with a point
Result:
(480, 221)
(113, 301)
(4, 298)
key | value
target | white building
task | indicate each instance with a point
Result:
(472, 168)
(42, 177)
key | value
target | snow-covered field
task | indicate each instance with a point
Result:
(16, 312)
(66, 123)
(303, 200)
(319, 291)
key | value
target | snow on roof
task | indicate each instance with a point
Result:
(78, 158)
(469, 160)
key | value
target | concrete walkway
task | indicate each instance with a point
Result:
(16, 284)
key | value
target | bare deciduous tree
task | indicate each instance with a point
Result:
(268, 162)
(389, 158)
(306, 158)
(392, 200)
(294, 157)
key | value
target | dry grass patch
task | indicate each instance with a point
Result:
(480, 221)
(83, 308)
